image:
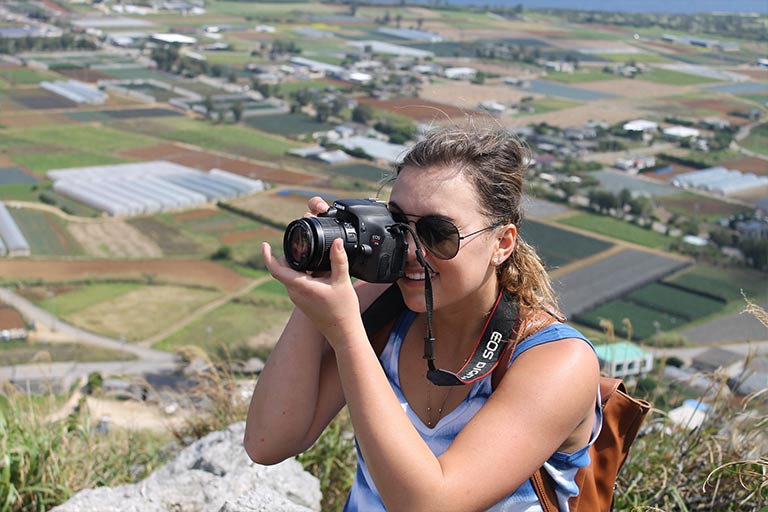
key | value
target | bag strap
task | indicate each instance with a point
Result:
(545, 490)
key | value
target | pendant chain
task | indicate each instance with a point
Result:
(430, 422)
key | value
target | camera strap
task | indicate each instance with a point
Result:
(500, 328)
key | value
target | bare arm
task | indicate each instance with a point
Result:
(298, 392)
(518, 428)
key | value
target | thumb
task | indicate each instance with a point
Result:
(339, 261)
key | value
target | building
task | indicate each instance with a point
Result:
(641, 125)
(680, 132)
(716, 358)
(76, 91)
(623, 359)
(460, 73)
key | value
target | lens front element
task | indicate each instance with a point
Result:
(298, 245)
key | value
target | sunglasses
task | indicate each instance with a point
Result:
(439, 235)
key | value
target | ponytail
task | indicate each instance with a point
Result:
(524, 275)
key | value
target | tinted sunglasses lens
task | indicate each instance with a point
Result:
(440, 236)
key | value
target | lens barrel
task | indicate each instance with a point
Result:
(307, 242)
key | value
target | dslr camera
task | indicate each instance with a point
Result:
(375, 244)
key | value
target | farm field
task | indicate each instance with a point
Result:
(24, 352)
(286, 125)
(236, 140)
(723, 283)
(618, 229)
(645, 321)
(45, 233)
(140, 313)
(612, 277)
(559, 247)
(687, 203)
(187, 272)
(229, 327)
(206, 160)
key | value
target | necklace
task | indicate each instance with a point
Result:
(430, 422)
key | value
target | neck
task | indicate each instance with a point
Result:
(458, 326)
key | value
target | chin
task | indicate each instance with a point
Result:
(413, 295)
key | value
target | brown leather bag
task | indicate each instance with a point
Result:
(622, 417)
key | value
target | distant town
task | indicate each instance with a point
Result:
(147, 148)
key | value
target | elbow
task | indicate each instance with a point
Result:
(259, 451)
(263, 451)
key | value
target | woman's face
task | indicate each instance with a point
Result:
(469, 275)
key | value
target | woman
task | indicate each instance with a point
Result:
(422, 446)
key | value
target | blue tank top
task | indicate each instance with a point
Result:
(364, 497)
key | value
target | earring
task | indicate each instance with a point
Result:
(495, 261)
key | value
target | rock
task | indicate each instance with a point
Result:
(213, 474)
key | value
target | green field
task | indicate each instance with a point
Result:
(172, 240)
(669, 77)
(644, 320)
(26, 76)
(217, 137)
(558, 247)
(231, 325)
(757, 140)
(676, 301)
(636, 57)
(581, 76)
(86, 138)
(45, 233)
(726, 283)
(287, 125)
(142, 312)
(19, 192)
(43, 161)
(73, 299)
(544, 105)
(618, 229)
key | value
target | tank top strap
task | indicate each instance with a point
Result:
(554, 332)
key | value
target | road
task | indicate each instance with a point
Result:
(149, 360)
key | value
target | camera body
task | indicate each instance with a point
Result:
(375, 244)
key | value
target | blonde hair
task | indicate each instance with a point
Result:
(494, 160)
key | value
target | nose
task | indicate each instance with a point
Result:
(411, 243)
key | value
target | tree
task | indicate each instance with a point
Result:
(237, 111)
(363, 113)
(208, 105)
(755, 250)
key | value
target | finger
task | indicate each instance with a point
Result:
(317, 205)
(339, 261)
(269, 260)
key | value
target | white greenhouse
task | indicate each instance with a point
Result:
(12, 241)
(149, 187)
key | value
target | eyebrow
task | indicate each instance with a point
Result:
(392, 205)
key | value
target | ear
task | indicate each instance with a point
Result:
(505, 244)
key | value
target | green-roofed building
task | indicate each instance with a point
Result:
(623, 359)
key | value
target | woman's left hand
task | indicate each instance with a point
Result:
(329, 300)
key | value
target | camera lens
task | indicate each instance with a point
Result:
(298, 245)
(307, 242)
